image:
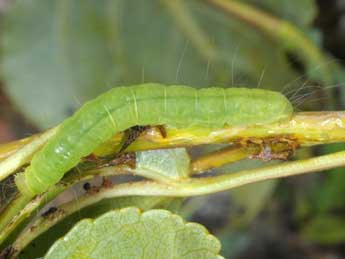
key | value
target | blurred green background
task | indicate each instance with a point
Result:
(57, 54)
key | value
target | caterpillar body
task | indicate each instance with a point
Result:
(147, 104)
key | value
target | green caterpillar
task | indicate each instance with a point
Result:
(147, 104)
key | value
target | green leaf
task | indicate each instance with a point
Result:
(325, 229)
(164, 164)
(331, 195)
(58, 54)
(54, 54)
(331, 191)
(45, 240)
(129, 233)
(250, 200)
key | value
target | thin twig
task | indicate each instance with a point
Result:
(190, 187)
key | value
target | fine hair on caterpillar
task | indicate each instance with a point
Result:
(303, 91)
(147, 104)
(307, 91)
(311, 93)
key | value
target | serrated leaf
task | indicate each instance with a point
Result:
(129, 233)
(163, 164)
(46, 239)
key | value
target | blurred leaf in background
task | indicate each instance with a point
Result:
(324, 221)
(299, 12)
(58, 54)
(55, 55)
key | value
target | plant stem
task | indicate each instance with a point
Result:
(24, 153)
(207, 185)
(18, 202)
(222, 157)
(305, 128)
(8, 149)
(308, 128)
(190, 187)
(21, 208)
(286, 34)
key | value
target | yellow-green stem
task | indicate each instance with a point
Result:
(222, 157)
(190, 187)
(24, 154)
(286, 34)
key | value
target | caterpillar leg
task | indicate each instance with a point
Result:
(162, 131)
(130, 135)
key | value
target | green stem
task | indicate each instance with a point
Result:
(16, 205)
(308, 128)
(222, 157)
(17, 214)
(24, 154)
(288, 36)
(190, 187)
(207, 185)
(20, 209)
